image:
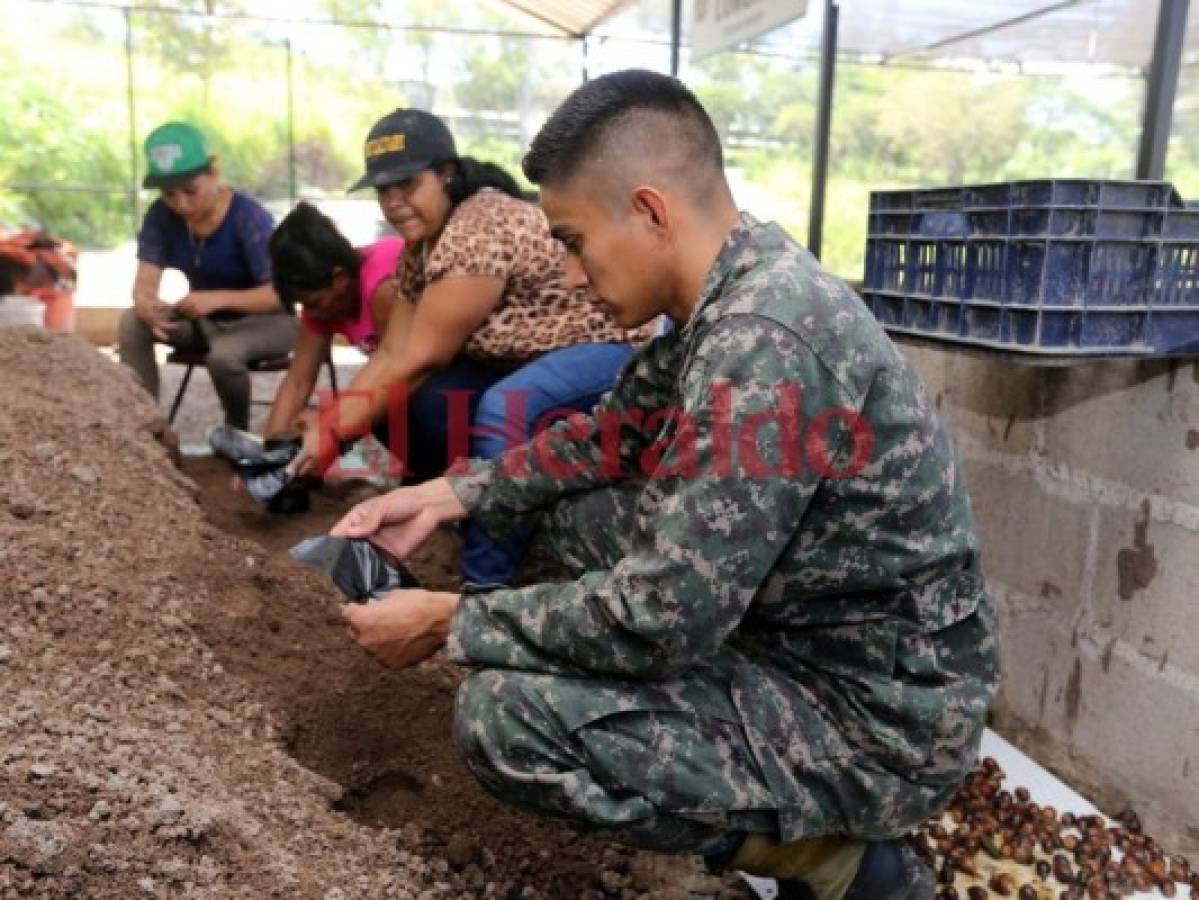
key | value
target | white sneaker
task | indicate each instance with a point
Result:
(233, 444)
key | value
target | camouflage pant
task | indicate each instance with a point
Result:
(662, 765)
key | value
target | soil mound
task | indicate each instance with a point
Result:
(181, 713)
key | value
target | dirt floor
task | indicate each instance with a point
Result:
(181, 713)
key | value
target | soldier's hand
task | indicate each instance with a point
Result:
(402, 520)
(402, 629)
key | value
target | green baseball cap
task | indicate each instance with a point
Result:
(174, 153)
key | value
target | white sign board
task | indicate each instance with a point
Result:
(716, 24)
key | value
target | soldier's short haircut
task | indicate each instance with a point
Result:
(628, 119)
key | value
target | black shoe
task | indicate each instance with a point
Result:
(889, 870)
(794, 890)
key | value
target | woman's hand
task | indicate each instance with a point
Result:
(404, 628)
(307, 460)
(157, 316)
(402, 520)
(196, 305)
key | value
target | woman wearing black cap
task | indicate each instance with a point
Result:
(489, 342)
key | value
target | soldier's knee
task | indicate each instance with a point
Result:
(476, 709)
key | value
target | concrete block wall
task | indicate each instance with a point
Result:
(1085, 483)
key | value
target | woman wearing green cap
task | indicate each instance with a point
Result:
(486, 343)
(218, 238)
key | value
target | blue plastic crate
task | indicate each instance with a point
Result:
(1069, 267)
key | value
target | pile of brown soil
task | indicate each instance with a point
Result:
(181, 712)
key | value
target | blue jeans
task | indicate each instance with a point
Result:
(502, 408)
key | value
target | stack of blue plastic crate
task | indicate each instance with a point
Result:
(1064, 267)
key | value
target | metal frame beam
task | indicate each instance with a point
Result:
(135, 200)
(676, 35)
(1160, 89)
(561, 35)
(824, 122)
(292, 180)
(942, 43)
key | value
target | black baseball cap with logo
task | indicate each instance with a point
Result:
(401, 144)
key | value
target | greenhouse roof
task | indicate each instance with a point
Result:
(1103, 32)
(1106, 32)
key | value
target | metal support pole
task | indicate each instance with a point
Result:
(291, 129)
(135, 200)
(824, 121)
(676, 34)
(583, 58)
(1160, 89)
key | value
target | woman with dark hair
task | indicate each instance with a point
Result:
(217, 238)
(493, 342)
(340, 290)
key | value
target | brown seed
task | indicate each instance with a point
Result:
(1024, 855)
(966, 865)
(1003, 884)
(1062, 870)
(1130, 819)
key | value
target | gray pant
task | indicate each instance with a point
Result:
(231, 347)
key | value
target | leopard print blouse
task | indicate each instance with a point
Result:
(492, 235)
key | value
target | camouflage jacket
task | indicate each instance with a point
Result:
(801, 519)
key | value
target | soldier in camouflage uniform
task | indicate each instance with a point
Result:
(776, 649)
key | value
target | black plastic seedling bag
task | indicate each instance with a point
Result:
(270, 482)
(361, 570)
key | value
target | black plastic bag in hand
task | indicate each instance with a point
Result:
(268, 480)
(360, 569)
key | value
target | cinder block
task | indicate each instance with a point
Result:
(1135, 424)
(1146, 585)
(1038, 658)
(1032, 542)
(98, 324)
(1112, 728)
(993, 401)
(1141, 730)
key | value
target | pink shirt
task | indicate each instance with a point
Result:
(378, 264)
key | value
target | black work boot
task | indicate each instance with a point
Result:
(889, 870)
